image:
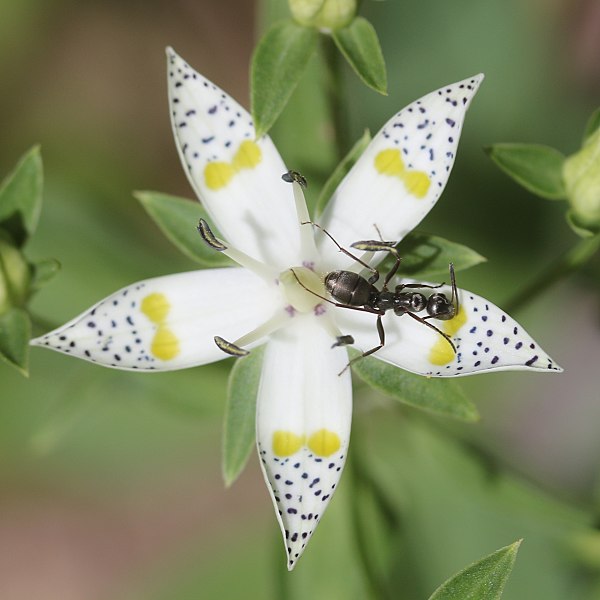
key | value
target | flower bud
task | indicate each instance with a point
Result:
(323, 14)
(14, 276)
(581, 173)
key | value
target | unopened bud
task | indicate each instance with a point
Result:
(14, 276)
(323, 14)
(581, 173)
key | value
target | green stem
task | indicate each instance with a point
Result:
(569, 262)
(334, 89)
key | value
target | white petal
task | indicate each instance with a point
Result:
(402, 172)
(237, 178)
(303, 426)
(168, 322)
(486, 339)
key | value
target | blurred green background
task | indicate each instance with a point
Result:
(110, 482)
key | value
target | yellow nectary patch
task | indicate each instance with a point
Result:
(389, 162)
(218, 174)
(324, 442)
(165, 344)
(286, 443)
(441, 352)
(156, 307)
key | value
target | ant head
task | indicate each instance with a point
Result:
(439, 307)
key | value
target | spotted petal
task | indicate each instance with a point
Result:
(168, 322)
(237, 177)
(402, 172)
(486, 339)
(303, 426)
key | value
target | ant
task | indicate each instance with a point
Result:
(353, 291)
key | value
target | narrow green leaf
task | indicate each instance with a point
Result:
(359, 44)
(483, 580)
(537, 168)
(43, 271)
(240, 413)
(277, 66)
(15, 332)
(341, 171)
(177, 218)
(436, 395)
(424, 255)
(21, 197)
(592, 125)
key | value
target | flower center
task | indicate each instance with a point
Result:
(299, 286)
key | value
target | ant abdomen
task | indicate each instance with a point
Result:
(349, 288)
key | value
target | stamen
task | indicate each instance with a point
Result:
(277, 321)
(237, 256)
(308, 248)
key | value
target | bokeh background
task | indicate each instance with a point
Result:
(110, 483)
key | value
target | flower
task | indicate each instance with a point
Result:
(305, 395)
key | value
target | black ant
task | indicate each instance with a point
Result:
(353, 291)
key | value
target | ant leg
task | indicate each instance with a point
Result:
(381, 333)
(431, 326)
(340, 248)
(375, 246)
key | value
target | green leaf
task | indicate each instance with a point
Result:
(436, 395)
(592, 125)
(483, 580)
(424, 255)
(21, 197)
(537, 168)
(341, 171)
(177, 219)
(43, 271)
(240, 413)
(15, 332)
(359, 44)
(277, 66)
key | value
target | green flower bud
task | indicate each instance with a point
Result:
(581, 173)
(326, 15)
(15, 276)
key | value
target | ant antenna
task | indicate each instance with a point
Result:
(454, 298)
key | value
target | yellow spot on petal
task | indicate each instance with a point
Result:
(441, 352)
(389, 162)
(165, 344)
(324, 442)
(417, 183)
(218, 174)
(286, 443)
(247, 157)
(156, 307)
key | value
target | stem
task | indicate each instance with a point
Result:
(332, 60)
(569, 262)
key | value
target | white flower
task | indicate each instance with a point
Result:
(303, 406)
